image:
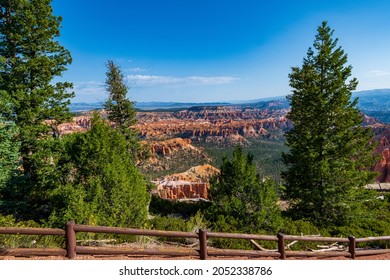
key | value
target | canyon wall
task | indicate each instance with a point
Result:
(168, 133)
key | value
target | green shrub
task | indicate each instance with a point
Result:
(164, 207)
(300, 227)
(241, 199)
(26, 241)
(193, 224)
(97, 182)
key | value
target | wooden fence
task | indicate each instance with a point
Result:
(203, 251)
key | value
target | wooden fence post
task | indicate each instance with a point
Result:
(70, 236)
(202, 244)
(352, 246)
(281, 246)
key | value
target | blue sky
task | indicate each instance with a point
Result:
(207, 51)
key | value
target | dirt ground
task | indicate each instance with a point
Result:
(141, 257)
(165, 247)
(167, 257)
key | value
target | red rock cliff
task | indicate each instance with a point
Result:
(383, 165)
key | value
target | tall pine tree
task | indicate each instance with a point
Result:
(330, 152)
(30, 59)
(121, 111)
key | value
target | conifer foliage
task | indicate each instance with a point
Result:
(242, 201)
(330, 152)
(97, 183)
(30, 59)
(120, 109)
(8, 152)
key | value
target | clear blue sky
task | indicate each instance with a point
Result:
(215, 50)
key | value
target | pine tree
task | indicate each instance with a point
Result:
(9, 148)
(242, 201)
(330, 152)
(121, 111)
(9, 154)
(30, 59)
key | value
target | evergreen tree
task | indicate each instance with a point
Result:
(9, 148)
(120, 110)
(30, 59)
(9, 154)
(330, 152)
(97, 183)
(242, 201)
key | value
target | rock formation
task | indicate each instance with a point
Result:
(183, 190)
(204, 124)
(169, 133)
(78, 124)
(383, 165)
(191, 184)
(171, 146)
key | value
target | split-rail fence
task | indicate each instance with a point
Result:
(203, 251)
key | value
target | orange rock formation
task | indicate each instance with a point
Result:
(171, 146)
(383, 165)
(221, 124)
(191, 184)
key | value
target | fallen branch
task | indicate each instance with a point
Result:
(292, 243)
(254, 243)
(329, 249)
(328, 246)
(311, 235)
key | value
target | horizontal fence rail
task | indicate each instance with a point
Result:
(32, 231)
(242, 236)
(203, 251)
(21, 252)
(131, 231)
(315, 238)
(372, 252)
(25, 252)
